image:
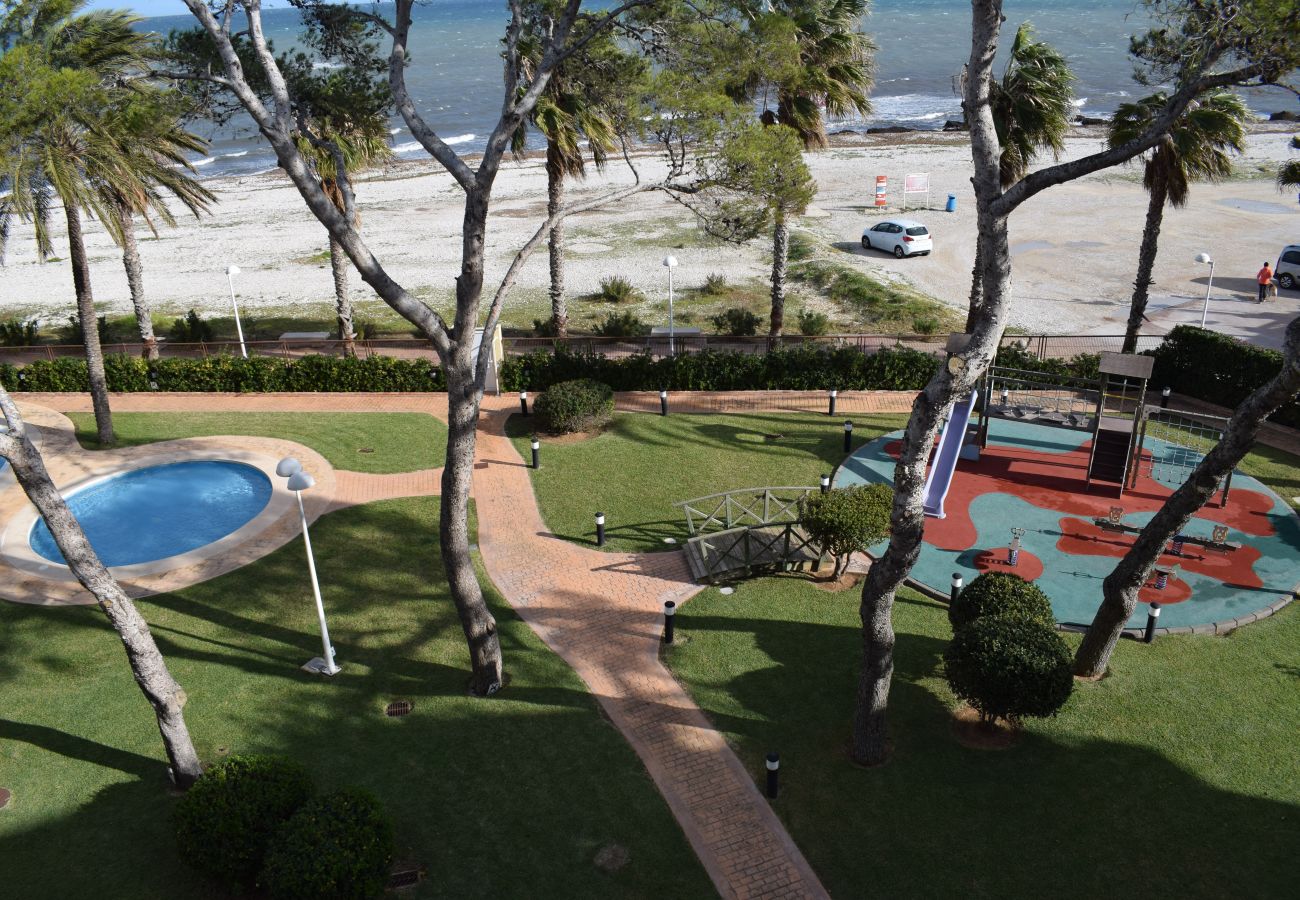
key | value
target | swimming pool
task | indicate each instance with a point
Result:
(153, 513)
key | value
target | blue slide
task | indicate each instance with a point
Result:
(945, 461)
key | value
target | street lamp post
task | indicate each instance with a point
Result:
(1205, 310)
(670, 263)
(300, 481)
(231, 272)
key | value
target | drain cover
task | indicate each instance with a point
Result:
(365, 449)
(399, 708)
(5, 794)
(405, 875)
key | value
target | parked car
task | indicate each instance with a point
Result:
(901, 237)
(1287, 271)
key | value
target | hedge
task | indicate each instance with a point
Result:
(130, 374)
(336, 847)
(1008, 670)
(1001, 595)
(1218, 369)
(581, 405)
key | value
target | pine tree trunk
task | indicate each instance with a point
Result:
(339, 263)
(780, 256)
(555, 244)
(976, 291)
(1120, 588)
(89, 327)
(147, 663)
(135, 278)
(1146, 261)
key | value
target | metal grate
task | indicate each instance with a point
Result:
(365, 449)
(405, 876)
(399, 708)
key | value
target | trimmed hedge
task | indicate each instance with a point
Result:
(578, 405)
(847, 520)
(1001, 595)
(1218, 369)
(337, 847)
(1007, 669)
(797, 368)
(131, 374)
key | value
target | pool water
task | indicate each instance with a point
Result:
(153, 513)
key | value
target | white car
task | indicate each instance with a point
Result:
(901, 237)
(1287, 271)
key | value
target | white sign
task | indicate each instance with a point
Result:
(918, 183)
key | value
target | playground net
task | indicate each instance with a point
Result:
(1181, 442)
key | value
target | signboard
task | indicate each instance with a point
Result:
(881, 185)
(918, 183)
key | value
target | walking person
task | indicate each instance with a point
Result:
(1265, 278)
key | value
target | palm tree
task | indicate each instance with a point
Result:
(1196, 148)
(1288, 175)
(834, 71)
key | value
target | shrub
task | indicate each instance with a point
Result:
(14, 333)
(736, 322)
(337, 847)
(622, 325)
(1218, 368)
(545, 328)
(578, 405)
(714, 283)
(617, 289)
(226, 821)
(1007, 669)
(801, 247)
(925, 325)
(813, 324)
(846, 520)
(71, 333)
(191, 329)
(1001, 595)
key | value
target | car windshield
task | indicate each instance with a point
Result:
(917, 231)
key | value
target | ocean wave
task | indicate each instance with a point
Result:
(235, 155)
(416, 146)
(1078, 102)
(394, 131)
(206, 161)
(326, 66)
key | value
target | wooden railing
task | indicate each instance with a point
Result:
(746, 506)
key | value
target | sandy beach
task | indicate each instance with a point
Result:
(1074, 246)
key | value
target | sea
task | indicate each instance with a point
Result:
(455, 72)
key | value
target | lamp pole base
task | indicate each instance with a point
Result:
(318, 666)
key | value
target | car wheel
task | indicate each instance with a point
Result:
(1287, 281)
(898, 251)
(866, 244)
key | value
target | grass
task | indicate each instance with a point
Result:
(401, 442)
(507, 797)
(1173, 777)
(642, 464)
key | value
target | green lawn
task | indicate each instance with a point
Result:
(394, 442)
(1174, 777)
(512, 796)
(642, 464)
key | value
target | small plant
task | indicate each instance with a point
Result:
(617, 289)
(365, 329)
(71, 333)
(1001, 595)
(813, 324)
(736, 322)
(847, 520)
(925, 325)
(191, 329)
(714, 283)
(578, 405)
(14, 333)
(545, 328)
(622, 325)
(1007, 669)
(338, 846)
(801, 247)
(226, 821)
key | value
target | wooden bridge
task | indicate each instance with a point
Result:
(745, 531)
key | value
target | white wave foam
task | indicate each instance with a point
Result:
(394, 131)
(459, 139)
(235, 155)
(326, 66)
(206, 161)
(1078, 102)
(416, 146)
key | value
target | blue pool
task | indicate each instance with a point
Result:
(161, 511)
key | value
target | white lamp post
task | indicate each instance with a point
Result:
(1205, 310)
(670, 262)
(231, 272)
(300, 481)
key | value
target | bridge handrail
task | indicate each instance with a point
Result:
(724, 503)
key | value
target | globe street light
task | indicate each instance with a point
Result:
(670, 262)
(231, 272)
(1205, 310)
(300, 481)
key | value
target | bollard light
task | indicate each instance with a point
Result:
(1153, 618)
(537, 453)
(831, 411)
(1006, 396)
(848, 436)
(670, 612)
(600, 529)
(300, 481)
(773, 775)
(663, 403)
(957, 583)
(523, 402)
(1164, 397)
(826, 483)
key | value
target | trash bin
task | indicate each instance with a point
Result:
(952, 203)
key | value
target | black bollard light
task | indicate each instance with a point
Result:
(773, 775)
(826, 483)
(957, 583)
(537, 453)
(670, 612)
(848, 436)
(600, 529)
(1164, 397)
(831, 411)
(1153, 618)
(153, 380)
(663, 403)
(523, 402)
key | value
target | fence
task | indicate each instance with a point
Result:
(1042, 346)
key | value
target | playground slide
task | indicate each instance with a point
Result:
(945, 460)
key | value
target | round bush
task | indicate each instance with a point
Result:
(847, 520)
(1001, 595)
(226, 820)
(1007, 669)
(337, 847)
(578, 405)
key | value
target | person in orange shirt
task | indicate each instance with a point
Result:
(1265, 277)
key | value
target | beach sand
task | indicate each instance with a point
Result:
(1074, 246)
